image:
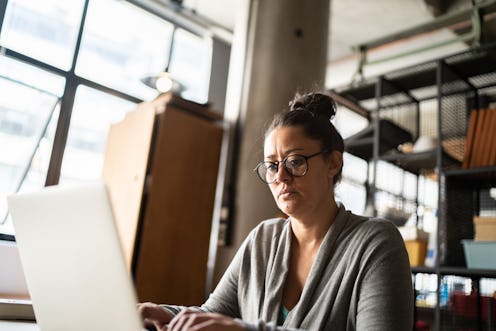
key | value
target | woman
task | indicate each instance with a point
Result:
(322, 268)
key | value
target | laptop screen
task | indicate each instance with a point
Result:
(72, 259)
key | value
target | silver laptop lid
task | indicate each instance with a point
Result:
(72, 259)
(12, 281)
(14, 296)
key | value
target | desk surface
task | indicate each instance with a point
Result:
(18, 326)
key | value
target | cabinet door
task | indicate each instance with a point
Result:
(124, 172)
(171, 262)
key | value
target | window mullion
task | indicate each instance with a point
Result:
(64, 120)
(60, 139)
(3, 9)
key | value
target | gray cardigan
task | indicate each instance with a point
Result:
(360, 279)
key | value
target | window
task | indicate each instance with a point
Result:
(120, 52)
(190, 64)
(32, 76)
(28, 116)
(101, 72)
(45, 30)
(351, 191)
(92, 115)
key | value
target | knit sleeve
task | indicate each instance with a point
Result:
(224, 299)
(386, 293)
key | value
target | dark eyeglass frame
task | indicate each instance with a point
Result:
(283, 161)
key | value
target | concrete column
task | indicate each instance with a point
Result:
(279, 47)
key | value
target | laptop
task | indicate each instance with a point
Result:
(15, 303)
(72, 259)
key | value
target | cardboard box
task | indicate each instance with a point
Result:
(417, 250)
(485, 228)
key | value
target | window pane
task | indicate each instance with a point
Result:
(352, 195)
(119, 52)
(354, 168)
(190, 64)
(46, 30)
(410, 186)
(389, 177)
(32, 76)
(428, 191)
(92, 115)
(27, 124)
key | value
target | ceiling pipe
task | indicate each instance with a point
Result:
(441, 22)
(438, 23)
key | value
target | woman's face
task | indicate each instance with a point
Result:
(306, 195)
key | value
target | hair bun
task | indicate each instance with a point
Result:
(319, 104)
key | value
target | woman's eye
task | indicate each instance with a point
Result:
(295, 162)
(271, 167)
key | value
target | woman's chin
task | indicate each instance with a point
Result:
(288, 207)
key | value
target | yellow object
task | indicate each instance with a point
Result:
(485, 228)
(417, 250)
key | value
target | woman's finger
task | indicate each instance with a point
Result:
(153, 314)
(195, 321)
(177, 323)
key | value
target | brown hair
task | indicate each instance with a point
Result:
(313, 112)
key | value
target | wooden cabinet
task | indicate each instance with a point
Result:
(161, 166)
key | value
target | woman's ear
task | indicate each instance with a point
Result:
(335, 163)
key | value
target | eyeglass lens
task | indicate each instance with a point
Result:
(296, 165)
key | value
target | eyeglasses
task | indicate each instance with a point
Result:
(296, 165)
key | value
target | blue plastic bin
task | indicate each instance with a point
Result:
(480, 254)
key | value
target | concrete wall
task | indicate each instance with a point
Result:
(279, 47)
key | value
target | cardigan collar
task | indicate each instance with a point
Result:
(276, 278)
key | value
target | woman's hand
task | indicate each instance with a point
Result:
(154, 316)
(188, 320)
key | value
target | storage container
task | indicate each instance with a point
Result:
(480, 254)
(466, 306)
(485, 228)
(417, 250)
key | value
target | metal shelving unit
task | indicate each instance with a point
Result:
(453, 85)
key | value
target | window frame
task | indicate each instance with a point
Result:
(73, 81)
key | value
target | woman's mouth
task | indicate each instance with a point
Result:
(284, 194)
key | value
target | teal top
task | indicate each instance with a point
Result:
(283, 314)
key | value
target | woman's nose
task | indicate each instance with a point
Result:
(282, 174)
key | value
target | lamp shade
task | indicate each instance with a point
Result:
(163, 82)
